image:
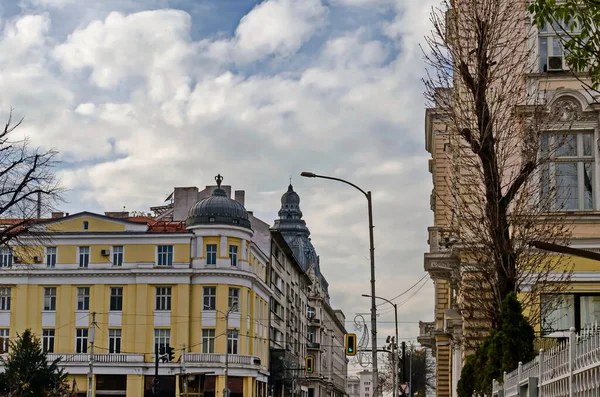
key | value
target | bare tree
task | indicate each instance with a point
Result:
(499, 196)
(28, 185)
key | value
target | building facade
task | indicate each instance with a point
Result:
(124, 285)
(289, 321)
(325, 336)
(573, 172)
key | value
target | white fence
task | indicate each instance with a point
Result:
(570, 369)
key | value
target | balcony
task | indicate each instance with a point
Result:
(219, 359)
(313, 346)
(426, 330)
(98, 358)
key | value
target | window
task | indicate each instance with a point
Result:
(549, 43)
(163, 298)
(86, 225)
(208, 341)
(117, 255)
(162, 338)
(210, 298)
(4, 340)
(83, 298)
(116, 299)
(114, 341)
(233, 249)
(84, 256)
(5, 293)
(310, 312)
(311, 335)
(234, 299)
(48, 340)
(232, 341)
(165, 255)
(6, 257)
(81, 340)
(568, 178)
(50, 298)
(51, 256)
(211, 254)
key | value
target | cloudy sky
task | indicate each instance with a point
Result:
(140, 96)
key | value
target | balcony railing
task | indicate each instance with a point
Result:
(426, 330)
(99, 358)
(313, 346)
(208, 358)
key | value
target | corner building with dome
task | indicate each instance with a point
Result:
(193, 277)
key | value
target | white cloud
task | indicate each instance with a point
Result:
(278, 27)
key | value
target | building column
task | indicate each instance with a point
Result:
(135, 385)
(224, 248)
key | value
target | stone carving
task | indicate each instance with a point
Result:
(567, 109)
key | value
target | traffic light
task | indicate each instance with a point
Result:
(170, 353)
(350, 344)
(310, 361)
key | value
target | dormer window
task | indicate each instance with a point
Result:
(211, 219)
(86, 225)
(236, 221)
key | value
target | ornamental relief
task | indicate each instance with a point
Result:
(566, 109)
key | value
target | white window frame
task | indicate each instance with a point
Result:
(83, 299)
(208, 340)
(165, 258)
(4, 340)
(211, 296)
(580, 159)
(81, 340)
(210, 255)
(50, 299)
(83, 256)
(6, 257)
(5, 298)
(114, 340)
(162, 337)
(117, 253)
(233, 255)
(48, 335)
(51, 256)
(233, 336)
(164, 297)
(552, 35)
(111, 296)
(233, 301)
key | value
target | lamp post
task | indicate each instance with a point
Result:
(232, 308)
(372, 249)
(394, 355)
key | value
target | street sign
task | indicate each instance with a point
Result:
(403, 388)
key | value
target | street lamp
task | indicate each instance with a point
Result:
(232, 308)
(394, 355)
(372, 249)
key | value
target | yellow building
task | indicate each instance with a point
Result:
(124, 285)
(450, 334)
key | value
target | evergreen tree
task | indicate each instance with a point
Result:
(27, 372)
(501, 350)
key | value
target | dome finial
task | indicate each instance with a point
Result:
(219, 179)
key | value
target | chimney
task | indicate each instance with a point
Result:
(118, 215)
(240, 196)
(57, 215)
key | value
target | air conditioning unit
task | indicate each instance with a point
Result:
(105, 252)
(555, 63)
(17, 259)
(37, 259)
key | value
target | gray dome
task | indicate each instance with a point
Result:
(218, 209)
(290, 197)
